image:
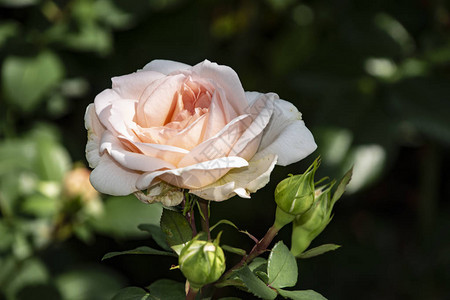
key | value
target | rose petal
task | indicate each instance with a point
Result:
(194, 176)
(241, 181)
(158, 101)
(168, 153)
(111, 178)
(226, 79)
(261, 110)
(121, 117)
(103, 103)
(95, 130)
(286, 135)
(128, 159)
(132, 86)
(218, 146)
(165, 66)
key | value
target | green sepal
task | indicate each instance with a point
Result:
(139, 250)
(318, 250)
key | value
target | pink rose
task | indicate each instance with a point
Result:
(191, 127)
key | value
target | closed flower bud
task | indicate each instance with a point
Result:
(202, 262)
(307, 226)
(295, 195)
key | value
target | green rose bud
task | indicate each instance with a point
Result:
(201, 262)
(307, 226)
(295, 195)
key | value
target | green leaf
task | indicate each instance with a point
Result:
(319, 250)
(138, 250)
(282, 267)
(341, 186)
(258, 264)
(234, 250)
(166, 289)
(157, 234)
(176, 228)
(26, 80)
(132, 293)
(40, 205)
(301, 295)
(255, 285)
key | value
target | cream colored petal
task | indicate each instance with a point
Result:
(132, 86)
(111, 178)
(261, 110)
(158, 101)
(286, 135)
(165, 66)
(241, 181)
(95, 130)
(226, 79)
(218, 146)
(131, 160)
(194, 176)
(121, 117)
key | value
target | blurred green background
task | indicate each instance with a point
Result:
(372, 79)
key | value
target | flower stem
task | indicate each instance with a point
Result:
(259, 248)
(191, 294)
(205, 216)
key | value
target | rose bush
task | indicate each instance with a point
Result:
(189, 127)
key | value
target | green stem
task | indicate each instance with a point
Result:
(191, 294)
(257, 250)
(205, 216)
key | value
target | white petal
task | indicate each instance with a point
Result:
(95, 130)
(261, 110)
(165, 66)
(286, 135)
(197, 175)
(226, 79)
(132, 86)
(128, 159)
(112, 179)
(241, 181)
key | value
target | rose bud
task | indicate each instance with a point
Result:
(295, 195)
(307, 226)
(201, 262)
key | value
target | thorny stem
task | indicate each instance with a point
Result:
(258, 249)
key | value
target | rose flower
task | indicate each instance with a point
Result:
(171, 126)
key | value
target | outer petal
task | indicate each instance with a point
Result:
(95, 130)
(132, 86)
(131, 160)
(165, 66)
(194, 176)
(241, 181)
(111, 178)
(286, 135)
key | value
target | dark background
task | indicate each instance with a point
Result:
(372, 79)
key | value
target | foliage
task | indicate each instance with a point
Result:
(371, 80)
